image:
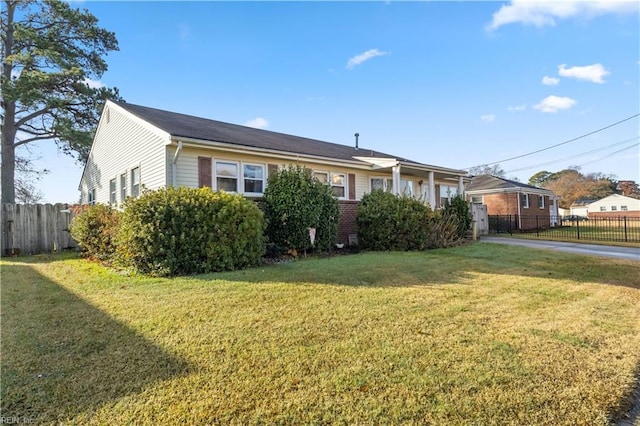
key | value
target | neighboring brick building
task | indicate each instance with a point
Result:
(528, 206)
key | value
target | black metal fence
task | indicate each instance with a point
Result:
(614, 229)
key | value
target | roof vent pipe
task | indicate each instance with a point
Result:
(357, 135)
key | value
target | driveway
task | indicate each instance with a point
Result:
(629, 253)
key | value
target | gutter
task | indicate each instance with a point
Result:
(174, 167)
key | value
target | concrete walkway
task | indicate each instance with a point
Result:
(629, 253)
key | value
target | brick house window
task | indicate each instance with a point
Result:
(541, 201)
(524, 201)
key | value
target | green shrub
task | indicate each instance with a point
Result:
(295, 201)
(390, 222)
(186, 230)
(95, 229)
(459, 208)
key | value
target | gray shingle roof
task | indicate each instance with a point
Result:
(486, 182)
(187, 126)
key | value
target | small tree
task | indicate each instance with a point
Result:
(295, 201)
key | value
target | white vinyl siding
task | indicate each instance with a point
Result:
(122, 143)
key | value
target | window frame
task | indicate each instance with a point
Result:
(614, 208)
(603, 208)
(91, 196)
(541, 203)
(135, 186)
(237, 177)
(451, 192)
(263, 179)
(525, 201)
(624, 208)
(123, 187)
(113, 191)
(387, 183)
(322, 172)
(344, 185)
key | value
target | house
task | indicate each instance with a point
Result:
(614, 205)
(137, 146)
(527, 205)
(579, 207)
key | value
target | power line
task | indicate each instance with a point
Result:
(560, 160)
(610, 155)
(558, 144)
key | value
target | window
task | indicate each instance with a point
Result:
(385, 184)
(112, 191)
(226, 176)
(321, 176)
(91, 196)
(623, 208)
(603, 208)
(338, 181)
(524, 201)
(406, 187)
(135, 182)
(253, 175)
(123, 187)
(541, 201)
(476, 199)
(614, 208)
(447, 192)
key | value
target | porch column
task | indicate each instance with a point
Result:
(395, 175)
(432, 190)
(460, 186)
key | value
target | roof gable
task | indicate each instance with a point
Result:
(486, 183)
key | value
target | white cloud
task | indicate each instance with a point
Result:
(517, 108)
(258, 123)
(550, 81)
(488, 118)
(593, 73)
(542, 13)
(93, 83)
(363, 57)
(555, 103)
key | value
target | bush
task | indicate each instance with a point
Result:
(295, 201)
(186, 230)
(390, 222)
(95, 229)
(459, 208)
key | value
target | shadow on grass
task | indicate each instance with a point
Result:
(442, 266)
(62, 357)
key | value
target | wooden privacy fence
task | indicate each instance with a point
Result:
(36, 228)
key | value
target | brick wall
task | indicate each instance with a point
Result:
(347, 223)
(634, 213)
(501, 204)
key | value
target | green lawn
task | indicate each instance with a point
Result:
(478, 334)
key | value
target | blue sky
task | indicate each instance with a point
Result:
(454, 84)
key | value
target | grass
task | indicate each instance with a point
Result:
(478, 334)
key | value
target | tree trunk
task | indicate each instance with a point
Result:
(8, 160)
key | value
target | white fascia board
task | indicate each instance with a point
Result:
(263, 152)
(144, 123)
(509, 190)
(431, 168)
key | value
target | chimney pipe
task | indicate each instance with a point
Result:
(357, 135)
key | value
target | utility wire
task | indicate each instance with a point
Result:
(610, 155)
(558, 144)
(560, 160)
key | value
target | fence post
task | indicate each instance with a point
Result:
(578, 228)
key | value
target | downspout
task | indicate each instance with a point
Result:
(174, 167)
(519, 216)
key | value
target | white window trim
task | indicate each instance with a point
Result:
(527, 201)
(123, 186)
(264, 178)
(91, 196)
(385, 182)
(541, 197)
(131, 184)
(113, 195)
(603, 208)
(614, 208)
(325, 172)
(624, 208)
(215, 174)
(345, 181)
